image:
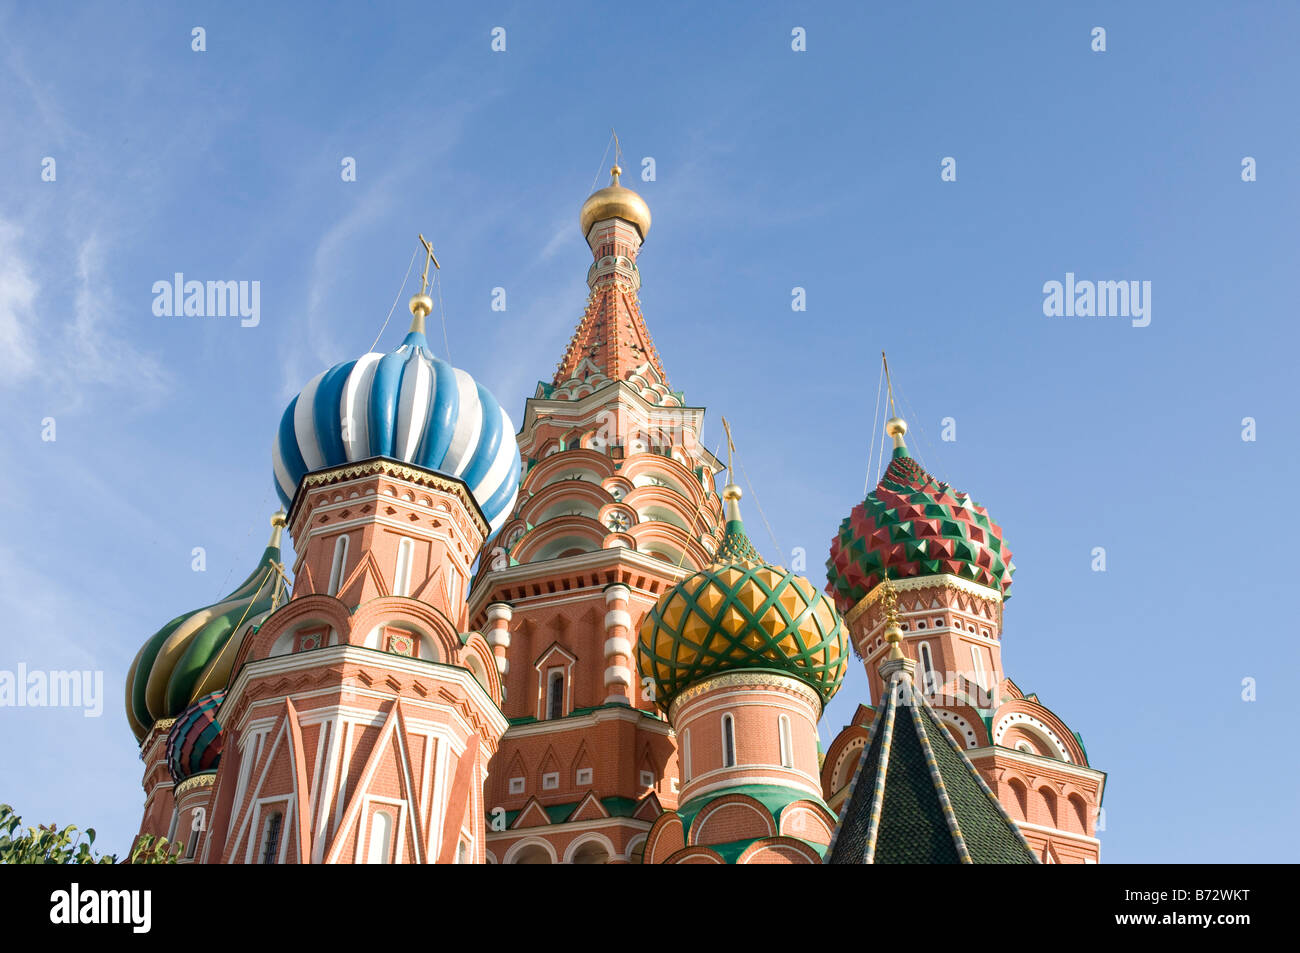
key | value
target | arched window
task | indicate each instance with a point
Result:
(381, 838)
(192, 847)
(462, 853)
(1022, 798)
(339, 566)
(686, 755)
(728, 741)
(402, 579)
(927, 669)
(271, 838)
(787, 750)
(555, 693)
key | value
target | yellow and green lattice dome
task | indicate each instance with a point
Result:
(741, 614)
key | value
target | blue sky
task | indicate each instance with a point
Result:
(775, 169)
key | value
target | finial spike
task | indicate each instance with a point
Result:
(422, 305)
(895, 426)
(731, 493)
(278, 521)
(893, 628)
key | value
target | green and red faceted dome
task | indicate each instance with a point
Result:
(916, 526)
(194, 741)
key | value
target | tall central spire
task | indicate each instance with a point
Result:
(611, 341)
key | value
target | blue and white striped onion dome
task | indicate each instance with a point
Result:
(407, 405)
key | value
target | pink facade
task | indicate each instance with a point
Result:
(421, 697)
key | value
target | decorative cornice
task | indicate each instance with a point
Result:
(161, 726)
(204, 780)
(381, 466)
(746, 678)
(912, 583)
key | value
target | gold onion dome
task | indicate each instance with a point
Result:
(615, 201)
(741, 614)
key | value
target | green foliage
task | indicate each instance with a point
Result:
(49, 845)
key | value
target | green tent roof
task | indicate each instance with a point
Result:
(917, 799)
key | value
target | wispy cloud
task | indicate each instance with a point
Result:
(17, 293)
(100, 356)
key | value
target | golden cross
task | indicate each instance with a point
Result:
(618, 150)
(424, 279)
(731, 448)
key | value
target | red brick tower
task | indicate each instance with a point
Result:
(354, 723)
(952, 572)
(617, 504)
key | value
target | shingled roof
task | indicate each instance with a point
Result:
(916, 798)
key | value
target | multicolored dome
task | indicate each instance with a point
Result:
(741, 613)
(192, 654)
(917, 526)
(407, 405)
(195, 740)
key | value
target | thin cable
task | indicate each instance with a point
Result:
(758, 507)
(446, 345)
(699, 510)
(226, 581)
(395, 300)
(875, 419)
(596, 177)
(920, 434)
(880, 461)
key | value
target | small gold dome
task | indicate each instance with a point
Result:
(615, 201)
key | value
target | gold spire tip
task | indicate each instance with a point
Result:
(278, 521)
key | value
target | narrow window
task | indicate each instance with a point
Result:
(402, 580)
(787, 755)
(979, 665)
(686, 755)
(462, 853)
(339, 566)
(381, 836)
(555, 694)
(192, 847)
(728, 741)
(271, 839)
(927, 670)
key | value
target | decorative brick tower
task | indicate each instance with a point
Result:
(617, 504)
(953, 573)
(355, 720)
(744, 655)
(361, 720)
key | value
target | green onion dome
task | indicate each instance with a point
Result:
(194, 741)
(741, 614)
(185, 659)
(917, 526)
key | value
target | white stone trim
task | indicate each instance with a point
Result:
(618, 617)
(618, 646)
(1013, 718)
